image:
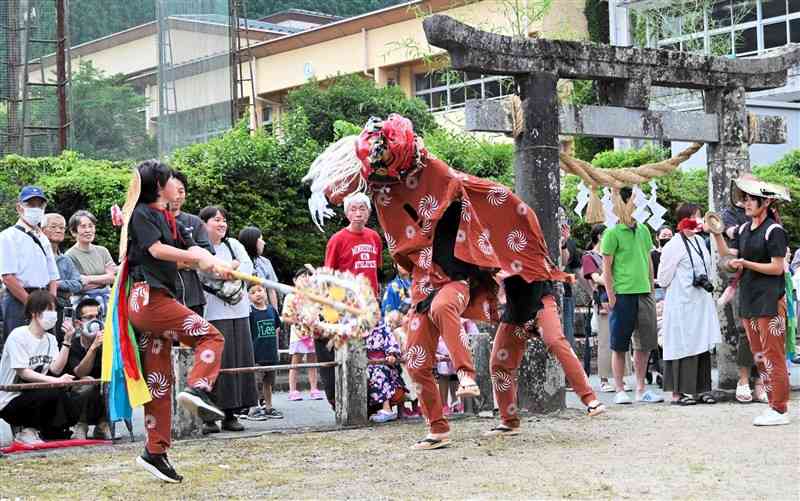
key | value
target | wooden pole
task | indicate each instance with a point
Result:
(61, 74)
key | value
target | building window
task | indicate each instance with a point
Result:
(266, 115)
(445, 90)
(736, 27)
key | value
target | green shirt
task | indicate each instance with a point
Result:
(631, 251)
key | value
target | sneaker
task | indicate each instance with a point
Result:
(761, 394)
(256, 414)
(316, 395)
(628, 387)
(158, 465)
(771, 417)
(102, 431)
(273, 413)
(199, 402)
(81, 431)
(622, 398)
(210, 427)
(606, 387)
(649, 397)
(294, 396)
(232, 425)
(28, 436)
(382, 416)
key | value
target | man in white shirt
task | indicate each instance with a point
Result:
(26, 258)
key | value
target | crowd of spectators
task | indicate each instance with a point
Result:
(652, 309)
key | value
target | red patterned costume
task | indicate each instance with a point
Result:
(454, 232)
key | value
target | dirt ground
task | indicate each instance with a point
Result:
(634, 452)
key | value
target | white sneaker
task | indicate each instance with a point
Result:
(81, 430)
(622, 398)
(28, 436)
(771, 417)
(649, 397)
(606, 388)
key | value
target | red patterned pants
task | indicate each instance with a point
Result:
(443, 319)
(160, 321)
(509, 347)
(767, 336)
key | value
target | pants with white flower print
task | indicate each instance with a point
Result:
(160, 321)
(509, 347)
(443, 319)
(767, 336)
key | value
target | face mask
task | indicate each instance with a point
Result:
(48, 319)
(33, 215)
(663, 241)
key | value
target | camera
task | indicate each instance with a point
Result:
(703, 282)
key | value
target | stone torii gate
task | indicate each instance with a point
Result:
(625, 76)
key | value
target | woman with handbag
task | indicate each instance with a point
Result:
(691, 324)
(228, 309)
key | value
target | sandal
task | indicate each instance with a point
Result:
(596, 408)
(743, 393)
(468, 390)
(502, 430)
(707, 398)
(684, 400)
(430, 443)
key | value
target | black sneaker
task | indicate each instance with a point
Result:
(158, 465)
(210, 427)
(273, 413)
(232, 425)
(199, 402)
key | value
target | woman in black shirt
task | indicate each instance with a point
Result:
(156, 244)
(759, 247)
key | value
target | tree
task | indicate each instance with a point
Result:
(106, 118)
(355, 99)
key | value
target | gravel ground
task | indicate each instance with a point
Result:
(640, 451)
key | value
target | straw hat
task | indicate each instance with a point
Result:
(757, 188)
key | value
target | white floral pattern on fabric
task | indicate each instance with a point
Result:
(414, 324)
(522, 209)
(172, 334)
(412, 182)
(462, 301)
(427, 226)
(202, 384)
(416, 357)
(516, 241)
(466, 205)
(516, 266)
(484, 243)
(461, 236)
(208, 357)
(158, 384)
(428, 206)
(136, 294)
(464, 338)
(143, 340)
(768, 367)
(501, 381)
(425, 287)
(195, 325)
(391, 243)
(411, 232)
(497, 196)
(425, 258)
(777, 326)
(754, 324)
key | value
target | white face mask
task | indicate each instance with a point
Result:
(48, 319)
(33, 215)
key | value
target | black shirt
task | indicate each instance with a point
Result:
(148, 226)
(76, 355)
(573, 264)
(189, 289)
(759, 293)
(263, 327)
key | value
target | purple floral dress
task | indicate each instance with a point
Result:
(383, 380)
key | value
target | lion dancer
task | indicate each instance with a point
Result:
(454, 232)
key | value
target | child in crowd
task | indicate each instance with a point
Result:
(395, 320)
(264, 326)
(448, 380)
(385, 386)
(301, 343)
